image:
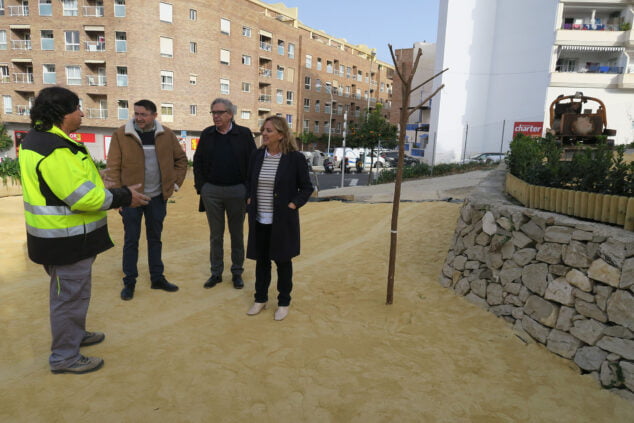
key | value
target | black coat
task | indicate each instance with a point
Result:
(292, 184)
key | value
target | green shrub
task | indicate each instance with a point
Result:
(423, 170)
(10, 169)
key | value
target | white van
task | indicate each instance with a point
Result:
(351, 155)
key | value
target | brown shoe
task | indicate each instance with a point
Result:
(83, 365)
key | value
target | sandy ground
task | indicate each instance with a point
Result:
(342, 355)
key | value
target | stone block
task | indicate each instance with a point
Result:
(462, 287)
(585, 296)
(483, 239)
(524, 256)
(535, 277)
(558, 269)
(535, 330)
(622, 347)
(620, 308)
(564, 319)
(560, 291)
(601, 295)
(549, 252)
(541, 310)
(475, 253)
(588, 330)
(444, 281)
(509, 275)
(474, 299)
(613, 252)
(494, 294)
(592, 251)
(579, 280)
(609, 375)
(507, 250)
(558, 234)
(489, 226)
(512, 288)
(590, 358)
(562, 343)
(575, 255)
(580, 235)
(601, 271)
(479, 287)
(517, 313)
(618, 331)
(627, 274)
(520, 240)
(502, 310)
(590, 310)
(472, 265)
(459, 262)
(513, 300)
(627, 369)
(505, 223)
(494, 260)
(533, 231)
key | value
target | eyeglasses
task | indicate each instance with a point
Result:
(218, 112)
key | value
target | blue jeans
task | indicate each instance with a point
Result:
(154, 212)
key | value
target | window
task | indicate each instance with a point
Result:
(317, 106)
(3, 40)
(193, 15)
(316, 127)
(319, 63)
(225, 26)
(342, 69)
(122, 76)
(246, 87)
(289, 120)
(70, 8)
(339, 109)
(46, 37)
(193, 47)
(291, 50)
(329, 66)
(348, 72)
(167, 112)
(246, 31)
(120, 42)
(4, 73)
(48, 74)
(46, 8)
(246, 60)
(225, 56)
(290, 74)
(309, 61)
(193, 109)
(193, 79)
(318, 85)
(73, 75)
(71, 39)
(224, 86)
(119, 9)
(307, 82)
(307, 104)
(382, 89)
(327, 108)
(165, 12)
(280, 72)
(167, 47)
(280, 47)
(122, 109)
(290, 97)
(279, 96)
(7, 104)
(167, 80)
(306, 126)
(245, 114)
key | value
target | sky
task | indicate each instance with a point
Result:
(371, 22)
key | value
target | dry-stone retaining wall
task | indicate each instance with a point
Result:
(566, 283)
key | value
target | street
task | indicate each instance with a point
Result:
(323, 180)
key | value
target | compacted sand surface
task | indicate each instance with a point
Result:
(341, 355)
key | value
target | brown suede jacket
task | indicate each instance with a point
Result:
(126, 161)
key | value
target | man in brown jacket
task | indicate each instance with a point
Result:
(146, 152)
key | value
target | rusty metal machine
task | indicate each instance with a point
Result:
(573, 120)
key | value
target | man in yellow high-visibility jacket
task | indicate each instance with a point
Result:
(65, 203)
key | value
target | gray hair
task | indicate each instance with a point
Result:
(228, 105)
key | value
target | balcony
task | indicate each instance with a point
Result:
(23, 78)
(93, 11)
(265, 46)
(264, 98)
(591, 37)
(96, 80)
(23, 110)
(96, 113)
(265, 72)
(21, 44)
(587, 79)
(18, 10)
(95, 46)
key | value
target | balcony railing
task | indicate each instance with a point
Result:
(23, 78)
(265, 72)
(5, 79)
(264, 98)
(96, 113)
(18, 10)
(265, 46)
(591, 27)
(23, 110)
(21, 44)
(95, 46)
(96, 80)
(591, 69)
(93, 11)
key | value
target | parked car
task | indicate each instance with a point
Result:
(391, 159)
(376, 160)
(487, 157)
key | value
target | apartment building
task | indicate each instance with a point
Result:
(182, 55)
(509, 59)
(417, 130)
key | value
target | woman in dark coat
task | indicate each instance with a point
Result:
(278, 185)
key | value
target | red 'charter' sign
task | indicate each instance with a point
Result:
(532, 129)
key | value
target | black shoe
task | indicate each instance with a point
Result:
(92, 338)
(212, 281)
(164, 285)
(238, 283)
(127, 293)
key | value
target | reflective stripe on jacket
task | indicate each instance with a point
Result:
(64, 199)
